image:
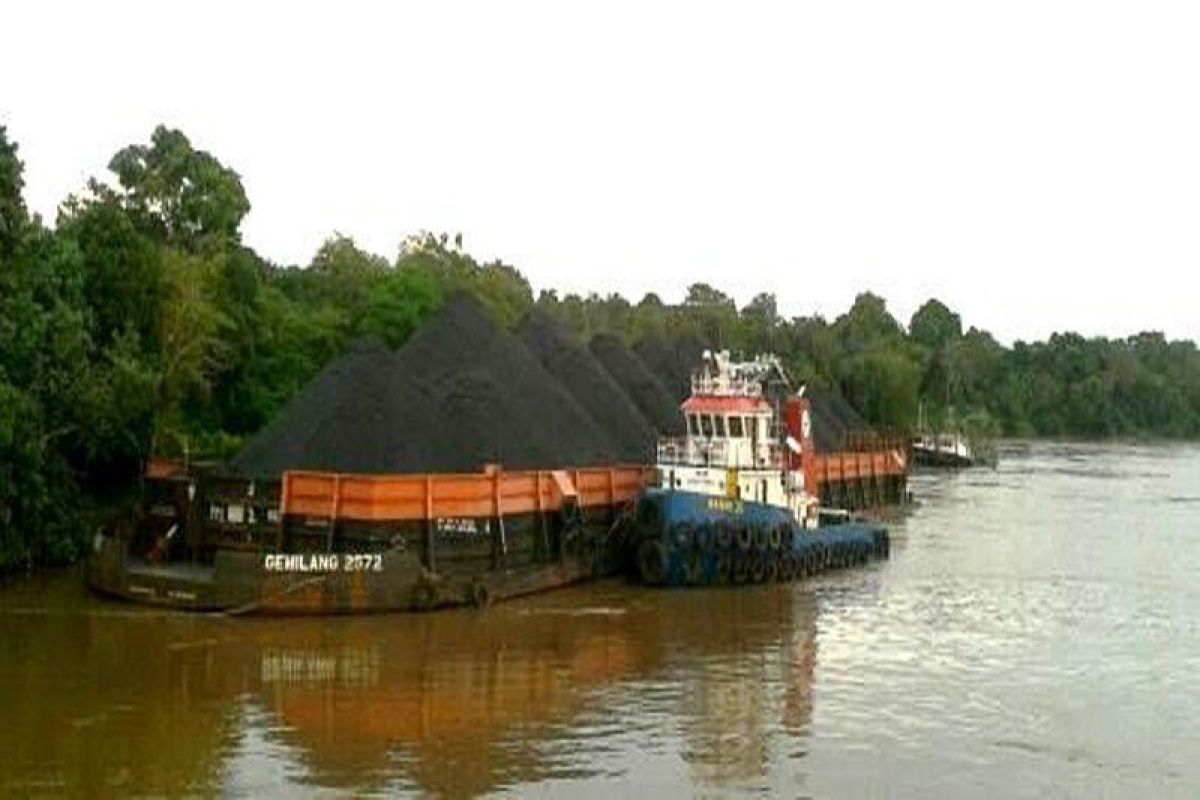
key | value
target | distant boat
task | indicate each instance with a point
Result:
(948, 448)
(942, 450)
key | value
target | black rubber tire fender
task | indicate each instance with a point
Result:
(787, 567)
(741, 569)
(761, 537)
(652, 562)
(775, 537)
(724, 535)
(745, 538)
(683, 534)
(693, 569)
(724, 572)
(770, 569)
(649, 518)
(758, 568)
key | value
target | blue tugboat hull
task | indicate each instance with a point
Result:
(692, 539)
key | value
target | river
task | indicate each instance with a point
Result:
(1036, 632)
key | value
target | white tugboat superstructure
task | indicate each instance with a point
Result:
(737, 444)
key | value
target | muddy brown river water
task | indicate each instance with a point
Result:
(1036, 632)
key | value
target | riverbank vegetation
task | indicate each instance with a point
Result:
(140, 323)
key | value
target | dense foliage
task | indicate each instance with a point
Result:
(141, 324)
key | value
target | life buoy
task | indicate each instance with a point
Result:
(703, 537)
(693, 569)
(652, 561)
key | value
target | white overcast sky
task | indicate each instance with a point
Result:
(1036, 165)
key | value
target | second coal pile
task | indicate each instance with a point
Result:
(494, 401)
(628, 431)
(639, 383)
(672, 360)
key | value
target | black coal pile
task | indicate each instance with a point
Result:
(627, 430)
(672, 360)
(827, 430)
(640, 384)
(848, 416)
(833, 420)
(491, 400)
(460, 394)
(356, 415)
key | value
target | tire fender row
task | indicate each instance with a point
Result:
(733, 552)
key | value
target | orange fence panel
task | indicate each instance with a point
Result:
(487, 494)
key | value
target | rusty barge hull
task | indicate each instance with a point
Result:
(327, 543)
(238, 583)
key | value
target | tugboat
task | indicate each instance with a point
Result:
(736, 499)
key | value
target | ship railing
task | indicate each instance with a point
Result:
(692, 452)
(710, 385)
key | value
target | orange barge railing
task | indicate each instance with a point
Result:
(850, 466)
(492, 493)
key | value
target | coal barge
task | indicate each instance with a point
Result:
(330, 543)
(424, 479)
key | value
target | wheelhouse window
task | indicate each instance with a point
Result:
(735, 427)
(693, 425)
(720, 423)
(706, 425)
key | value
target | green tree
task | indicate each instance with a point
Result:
(867, 321)
(400, 301)
(185, 195)
(121, 267)
(713, 315)
(934, 325)
(13, 215)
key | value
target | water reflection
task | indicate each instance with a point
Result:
(452, 704)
